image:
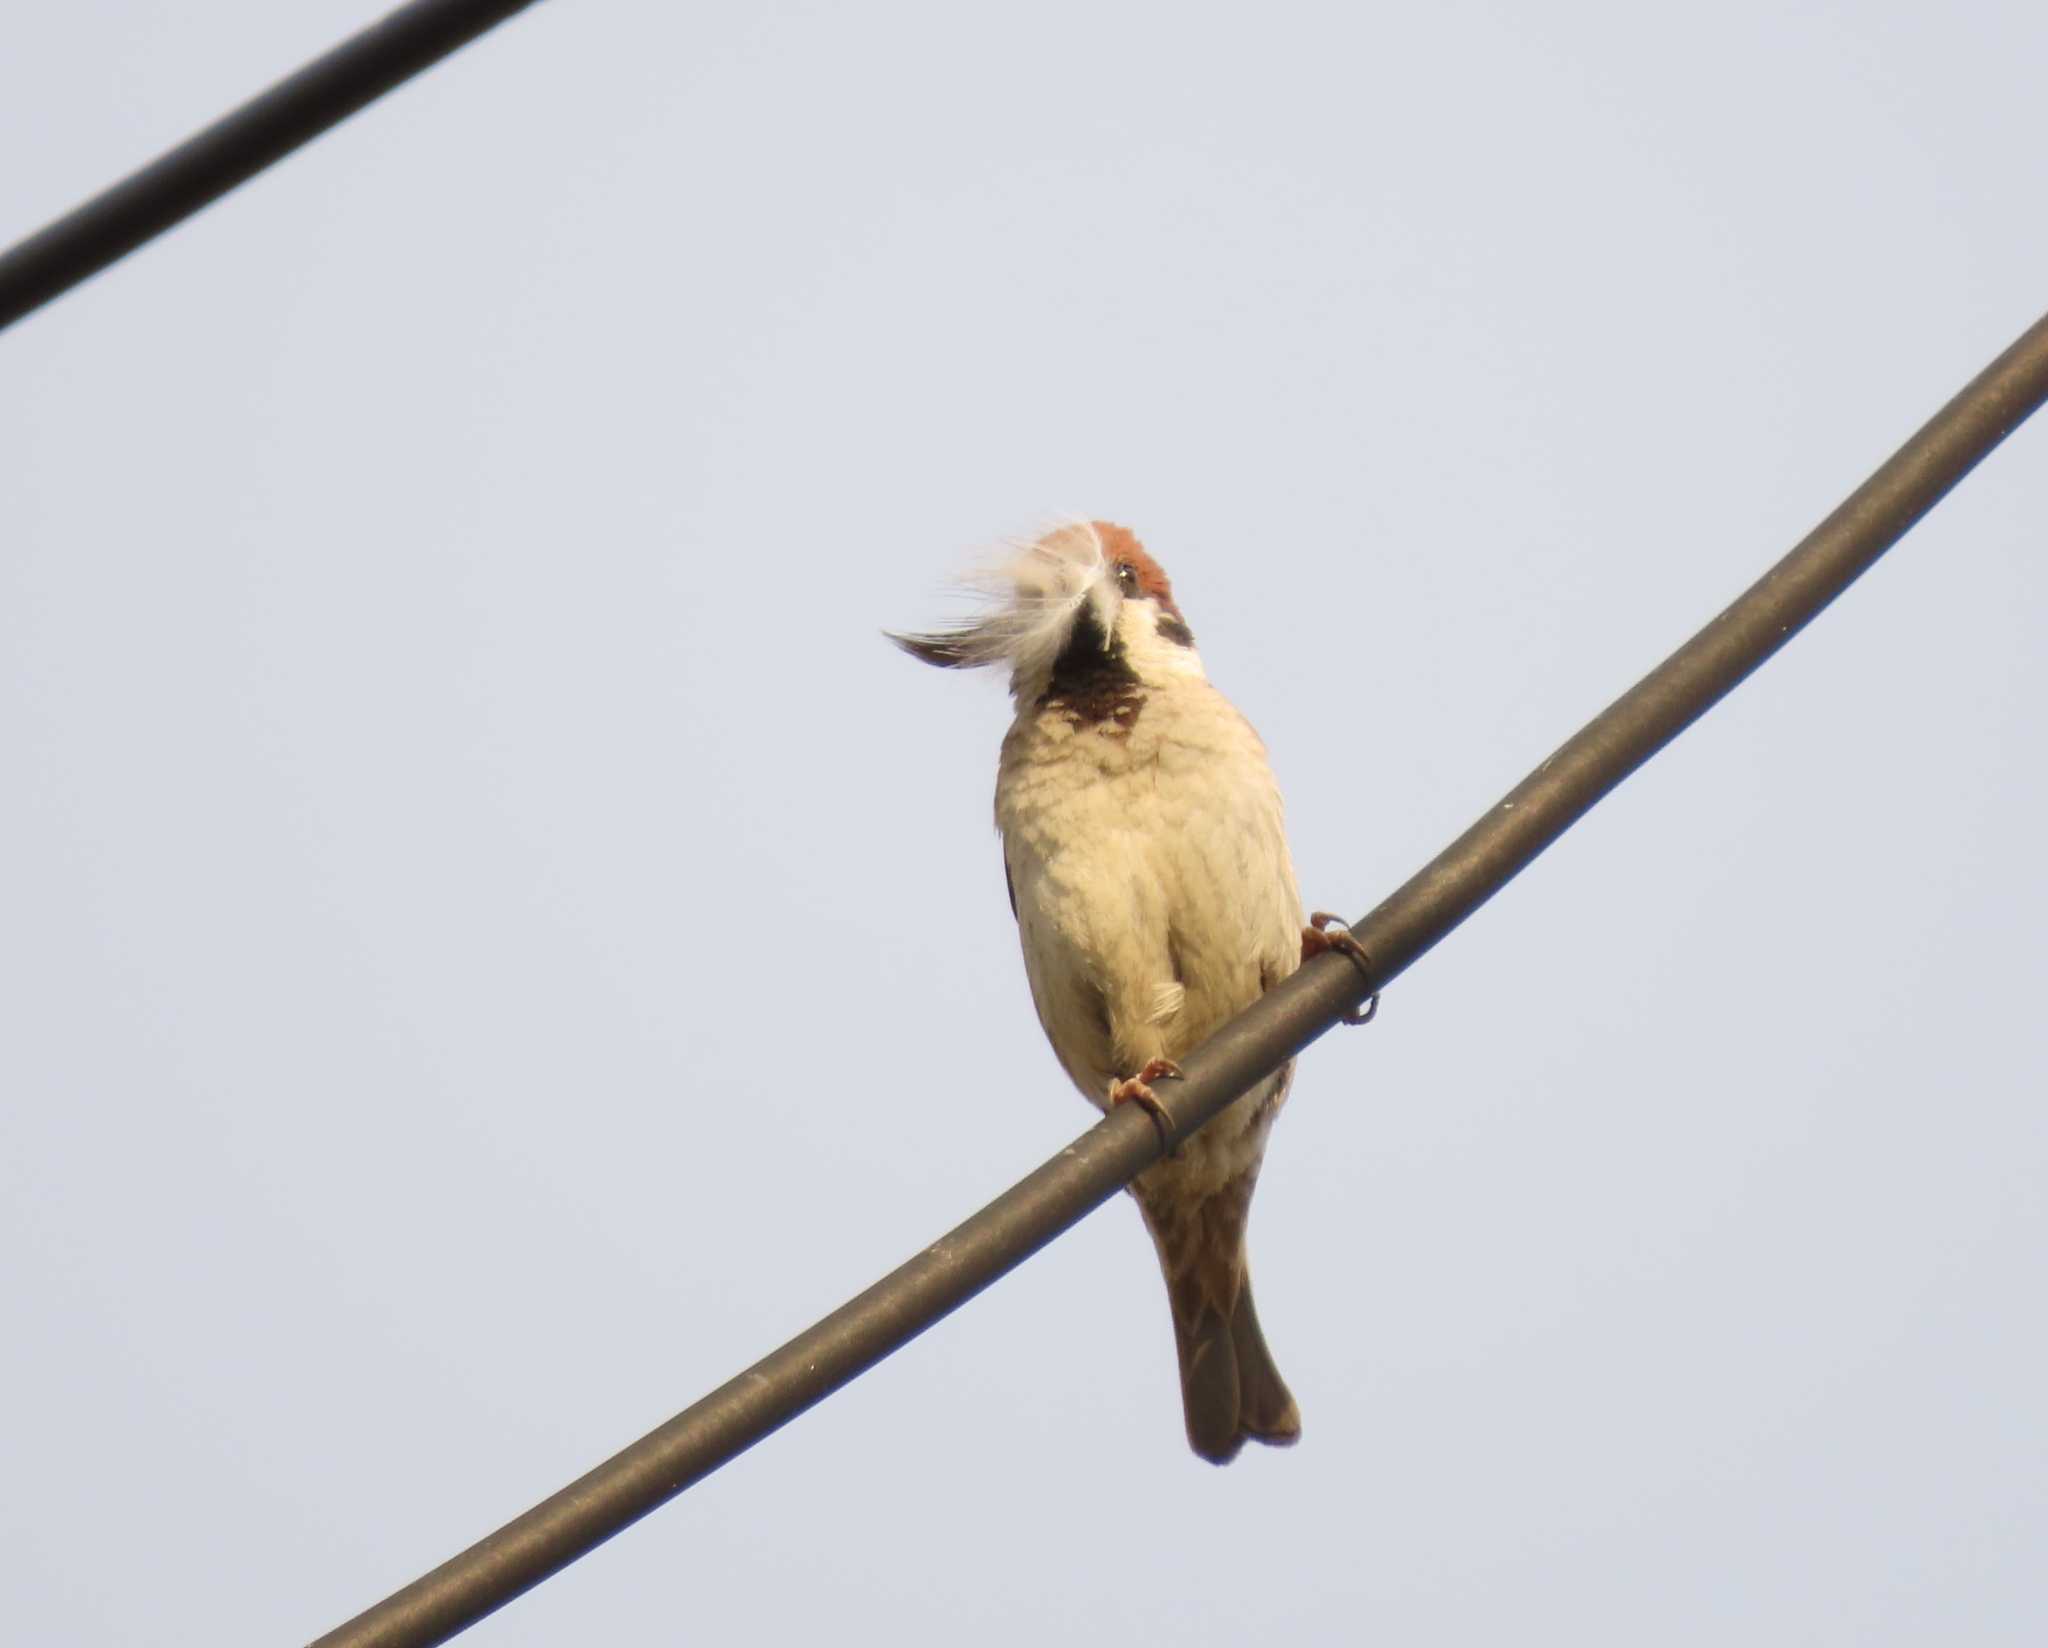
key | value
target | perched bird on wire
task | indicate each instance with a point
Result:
(1148, 870)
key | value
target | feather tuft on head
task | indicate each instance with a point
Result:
(1035, 594)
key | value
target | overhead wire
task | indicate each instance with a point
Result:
(237, 146)
(1394, 935)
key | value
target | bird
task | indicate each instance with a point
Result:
(1145, 850)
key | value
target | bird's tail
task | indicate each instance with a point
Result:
(1229, 1386)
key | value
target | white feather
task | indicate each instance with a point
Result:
(1166, 1003)
(1034, 594)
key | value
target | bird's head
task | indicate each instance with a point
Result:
(1083, 599)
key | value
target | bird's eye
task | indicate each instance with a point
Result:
(1127, 577)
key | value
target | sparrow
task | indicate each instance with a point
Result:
(1146, 855)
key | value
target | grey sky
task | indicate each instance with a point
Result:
(443, 714)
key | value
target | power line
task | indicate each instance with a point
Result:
(238, 146)
(1088, 1172)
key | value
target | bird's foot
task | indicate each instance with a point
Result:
(1316, 941)
(1138, 1090)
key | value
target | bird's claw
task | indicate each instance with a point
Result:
(1138, 1090)
(1315, 941)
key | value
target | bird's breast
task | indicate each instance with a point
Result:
(1154, 892)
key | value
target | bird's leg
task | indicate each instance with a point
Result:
(1315, 942)
(1137, 1090)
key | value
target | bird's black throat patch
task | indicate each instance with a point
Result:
(1092, 681)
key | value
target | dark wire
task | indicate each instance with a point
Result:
(238, 146)
(1443, 893)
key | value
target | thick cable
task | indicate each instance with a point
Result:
(1091, 1169)
(238, 146)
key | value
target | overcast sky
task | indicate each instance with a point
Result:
(491, 941)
